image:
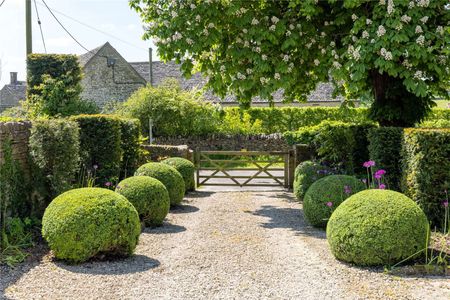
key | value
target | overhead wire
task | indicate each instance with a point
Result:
(93, 28)
(40, 26)
(2, 3)
(62, 26)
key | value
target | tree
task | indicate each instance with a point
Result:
(393, 52)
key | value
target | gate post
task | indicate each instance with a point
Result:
(197, 166)
(286, 170)
(292, 166)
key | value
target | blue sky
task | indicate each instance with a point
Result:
(111, 16)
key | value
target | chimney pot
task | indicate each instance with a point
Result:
(13, 78)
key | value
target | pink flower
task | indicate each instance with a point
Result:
(347, 189)
(369, 164)
(378, 174)
(329, 204)
(108, 184)
(445, 203)
(382, 186)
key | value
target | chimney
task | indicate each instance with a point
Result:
(13, 78)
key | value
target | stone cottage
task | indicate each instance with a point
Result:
(109, 77)
(12, 93)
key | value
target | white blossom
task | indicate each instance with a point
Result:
(381, 31)
(440, 30)
(418, 75)
(240, 76)
(246, 44)
(368, 22)
(205, 32)
(332, 44)
(198, 18)
(257, 49)
(255, 21)
(286, 58)
(323, 51)
(424, 19)
(420, 40)
(211, 25)
(354, 17)
(399, 27)
(244, 31)
(365, 34)
(222, 68)
(263, 80)
(390, 7)
(337, 65)
(274, 20)
(288, 33)
(193, 6)
(272, 28)
(166, 23)
(423, 3)
(419, 29)
(411, 4)
(249, 71)
(291, 26)
(277, 76)
(189, 41)
(177, 36)
(264, 57)
(174, 14)
(405, 19)
(387, 55)
(354, 39)
(407, 64)
(382, 2)
(316, 62)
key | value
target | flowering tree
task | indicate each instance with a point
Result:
(393, 52)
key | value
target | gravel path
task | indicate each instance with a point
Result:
(237, 245)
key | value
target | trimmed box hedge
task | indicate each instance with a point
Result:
(426, 169)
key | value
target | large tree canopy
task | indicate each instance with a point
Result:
(395, 52)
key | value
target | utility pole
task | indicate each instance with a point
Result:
(28, 26)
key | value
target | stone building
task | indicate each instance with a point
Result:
(108, 77)
(12, 93)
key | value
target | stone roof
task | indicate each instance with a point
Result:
(11, 94)
(162, 71)
(86, 57)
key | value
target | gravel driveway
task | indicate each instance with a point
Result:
(235, 245)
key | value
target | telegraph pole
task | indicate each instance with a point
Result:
(28, 26)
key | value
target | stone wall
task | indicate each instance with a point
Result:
(156, 152)
(272, 142)
(18, 133)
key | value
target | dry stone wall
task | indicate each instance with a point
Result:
(19, 134)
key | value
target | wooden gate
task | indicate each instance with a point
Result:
(244, 168)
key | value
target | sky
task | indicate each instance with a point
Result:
(113, 17)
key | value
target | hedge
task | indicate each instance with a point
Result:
(426, 169)
(130, 144)
(100, 146)
(385, 145)
(54, 151)
(342, 145)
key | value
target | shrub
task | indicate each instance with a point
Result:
(306, 173)
(130, 144)
(174, 112)
(385, 145)
(377, 227)
(426, 169)
(168, 175)
(438, 123)
(54, 151)
(186, 169)
(327, 193)
(239, 122)
(53, 86)
(100, 145)
(148, 195)
(82, 223)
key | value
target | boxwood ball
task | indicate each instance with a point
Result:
(148, 195)
(169, 176)
(82, 223)
(186, 169)
(377, 227)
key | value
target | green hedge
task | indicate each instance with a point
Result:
(342, 145)
(426, 169)
(385, 145)
(54, 151)
(130, 143)
(306, 173)
(186, 169)
(100, 146)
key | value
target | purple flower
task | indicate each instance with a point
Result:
(382, 186)
(369, 164)
(364, 180)
(378, 174)
(329, 204)
(108, 184)
(445, 203)
(347, 189)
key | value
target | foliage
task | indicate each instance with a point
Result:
(174, 112)
(342, 145)
(82, 223)
(169, 176)
(130, 144)
(306, 173)
(385, 145)
(239, 122)
(186, 169)
(53, 86)
(326, 194)
(100, 146)
(17, 237)
(148, 195)
(440, 123)
(396, 54)
(426, 169)
(54, 151)
(377, 227)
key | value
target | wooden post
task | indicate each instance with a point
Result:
(197, 165)
(292, 166)
(286, 170)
